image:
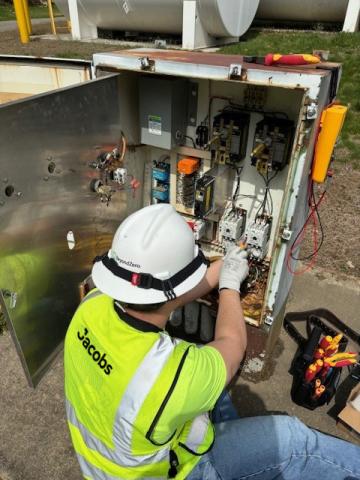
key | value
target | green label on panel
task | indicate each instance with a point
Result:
(154, 124)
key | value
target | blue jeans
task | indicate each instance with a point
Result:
(274, 447)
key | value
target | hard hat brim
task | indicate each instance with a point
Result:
(124, 291)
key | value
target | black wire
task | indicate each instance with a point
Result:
(263, 203)
(190, 138)
(271, 208)
(238, 175)
(267, 195)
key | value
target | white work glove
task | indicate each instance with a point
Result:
(234, 270)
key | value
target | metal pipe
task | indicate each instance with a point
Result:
(27, 15)
(21, 21)
(52, 19)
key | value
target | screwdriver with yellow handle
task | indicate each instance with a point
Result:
(342, 359)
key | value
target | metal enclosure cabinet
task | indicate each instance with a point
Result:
(66, 203)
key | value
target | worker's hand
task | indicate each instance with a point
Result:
(234, 270)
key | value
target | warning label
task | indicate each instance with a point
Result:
(155, 124)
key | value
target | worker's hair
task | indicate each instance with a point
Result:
(152, 307)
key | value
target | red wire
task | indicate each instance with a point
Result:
(312, 216)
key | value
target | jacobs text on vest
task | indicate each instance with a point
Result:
(99, 358)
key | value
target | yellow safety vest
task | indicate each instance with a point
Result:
(124, 397)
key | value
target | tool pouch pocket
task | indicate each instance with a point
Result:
(302, 393)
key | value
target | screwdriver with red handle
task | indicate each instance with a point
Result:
(279, 59)
(292, 59)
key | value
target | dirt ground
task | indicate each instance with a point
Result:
(340, 217)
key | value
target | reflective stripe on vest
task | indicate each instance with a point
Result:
(96, 474)
(197, 433)
(135, 395)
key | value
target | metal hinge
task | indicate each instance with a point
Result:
(235, 71)
(147, 64)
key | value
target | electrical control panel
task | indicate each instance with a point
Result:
(208, 172)
(219, 153)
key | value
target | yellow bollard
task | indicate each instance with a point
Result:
(27, 15)
(52, 19)
(21, 21)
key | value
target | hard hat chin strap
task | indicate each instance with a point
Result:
(147, 281)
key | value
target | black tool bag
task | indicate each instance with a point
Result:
(302, 393)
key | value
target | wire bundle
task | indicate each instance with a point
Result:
(267, 205)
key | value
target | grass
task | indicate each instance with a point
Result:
(343, 47)
(36, 11)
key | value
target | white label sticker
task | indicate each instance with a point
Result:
(155, 124)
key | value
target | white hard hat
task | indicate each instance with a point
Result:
(153, 258)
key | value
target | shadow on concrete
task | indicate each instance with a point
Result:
(248, 403)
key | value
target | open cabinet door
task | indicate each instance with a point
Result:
(52, 225)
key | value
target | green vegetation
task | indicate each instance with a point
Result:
(343, 47)
(36, 11)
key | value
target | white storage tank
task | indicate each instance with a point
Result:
(306, 10)
(205, 18)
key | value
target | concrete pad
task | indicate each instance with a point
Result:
(320, 290)
(34, 439)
